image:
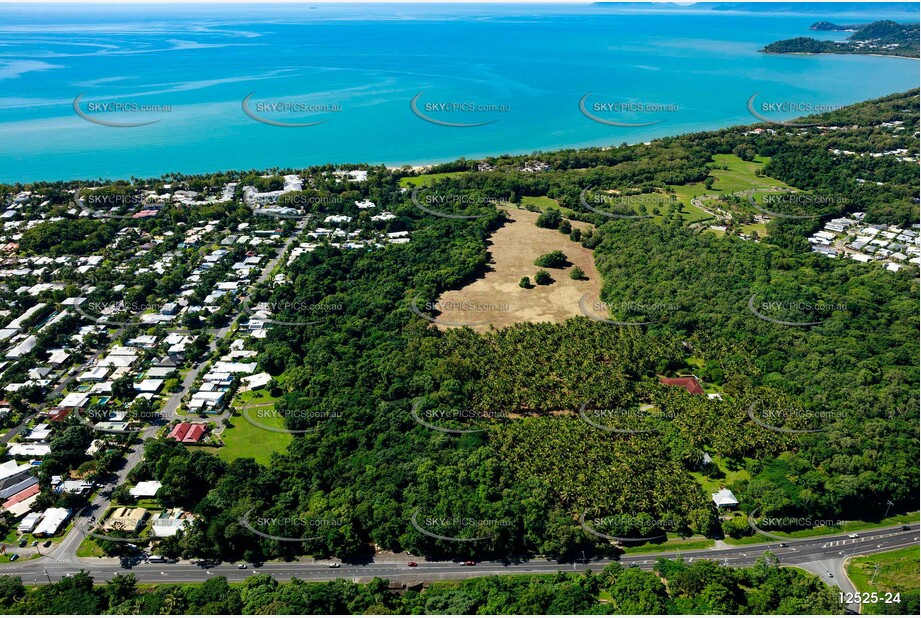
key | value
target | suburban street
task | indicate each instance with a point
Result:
(65, 552)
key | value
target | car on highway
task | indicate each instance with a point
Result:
(469, 563)
(633, 565)
(906, 527)
(853, 535)
(412, 564)
(242, 565)
(782, 544)
(335, 565)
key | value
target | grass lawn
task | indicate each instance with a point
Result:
(711, 485)
(848, 526)
(898, 571)
(741, 174)
(693, 214)
(673, 543)
(246, 439)
(761, 228)
(89, 549)
(541, 201)
(663, 201)
(427, 179)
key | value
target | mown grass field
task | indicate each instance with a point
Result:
(246, 439)
(427, 179)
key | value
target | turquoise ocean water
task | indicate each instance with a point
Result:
(362, 65)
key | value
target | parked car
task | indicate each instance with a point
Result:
(23, 542)
(46, 544)
(14, 557)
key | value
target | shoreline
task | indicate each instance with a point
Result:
(424, 165)
(767, 53)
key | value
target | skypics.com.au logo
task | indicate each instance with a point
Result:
(594, 311)
(800, 108)
(268, 417)
(435, 204)
(265, 309)
(435, 418)
(96, 109)
(436, 112)
(462, 307)
(269, 112)
(614, 112)
(297, 529)
(625, 420)
(627, 528)
(472, 528)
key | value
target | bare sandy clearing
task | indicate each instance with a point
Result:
(496, 300)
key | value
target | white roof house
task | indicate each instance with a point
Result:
(148, 386)
(18, 449)
(28, 523)
(145, 489)
(724, 497)
(58, 357)
(52, 520)
(96, 374)
(74, 400)
(206, 399)
(27, 345)
(39, 432)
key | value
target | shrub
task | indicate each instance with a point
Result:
(554, 259)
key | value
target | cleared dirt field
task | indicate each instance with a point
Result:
(496, 300)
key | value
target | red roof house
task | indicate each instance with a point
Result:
(187, 433)
(688, 382)
(25, 494)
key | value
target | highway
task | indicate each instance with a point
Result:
(805, 553)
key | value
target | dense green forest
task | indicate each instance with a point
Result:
(674, 588)
(529, 467)
(885, 37)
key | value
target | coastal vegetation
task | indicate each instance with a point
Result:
(884, 38)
